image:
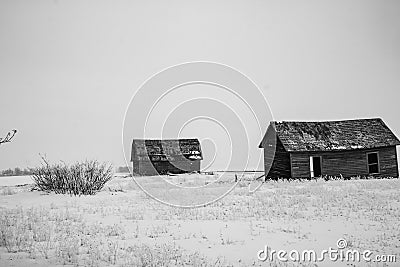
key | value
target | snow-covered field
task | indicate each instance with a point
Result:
(122, 226)
(15, 180)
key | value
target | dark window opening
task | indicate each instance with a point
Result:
(373, 162)
(315, 168)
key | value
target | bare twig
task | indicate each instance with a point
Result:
(8, 137)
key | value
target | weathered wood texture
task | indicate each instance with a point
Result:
(342, 145)
(166, 150)
(345, 163)
(153, 157)
(149, 168)
(279, 163)
(334, 135)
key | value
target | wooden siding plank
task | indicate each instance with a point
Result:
(279, 162)
(346, 163)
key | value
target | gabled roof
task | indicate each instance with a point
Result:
(332, 135)
(166, 150)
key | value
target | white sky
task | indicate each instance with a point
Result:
(69, 68)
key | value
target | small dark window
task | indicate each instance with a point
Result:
(373, 163)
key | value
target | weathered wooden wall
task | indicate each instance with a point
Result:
(146, 167)
(280, 162)
(345, 163)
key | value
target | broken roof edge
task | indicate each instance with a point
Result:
(169, 139)
(321, 121)
(271, 125)
(154, 146)
(337, 150)
(395, 136)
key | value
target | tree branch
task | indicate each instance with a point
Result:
(8, 137)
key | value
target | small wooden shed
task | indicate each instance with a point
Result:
(153, 157)
(363, 147)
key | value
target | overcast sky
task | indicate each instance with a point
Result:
(68, 69)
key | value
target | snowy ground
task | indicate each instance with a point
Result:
(15, 180)
(123, 226)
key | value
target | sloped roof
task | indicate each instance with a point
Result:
(166, 150)
(332, 135)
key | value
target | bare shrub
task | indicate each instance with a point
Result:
(81, 178)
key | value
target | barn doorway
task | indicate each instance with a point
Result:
(315, 166)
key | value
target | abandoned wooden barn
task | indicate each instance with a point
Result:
(364, 147)
(153, 157)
